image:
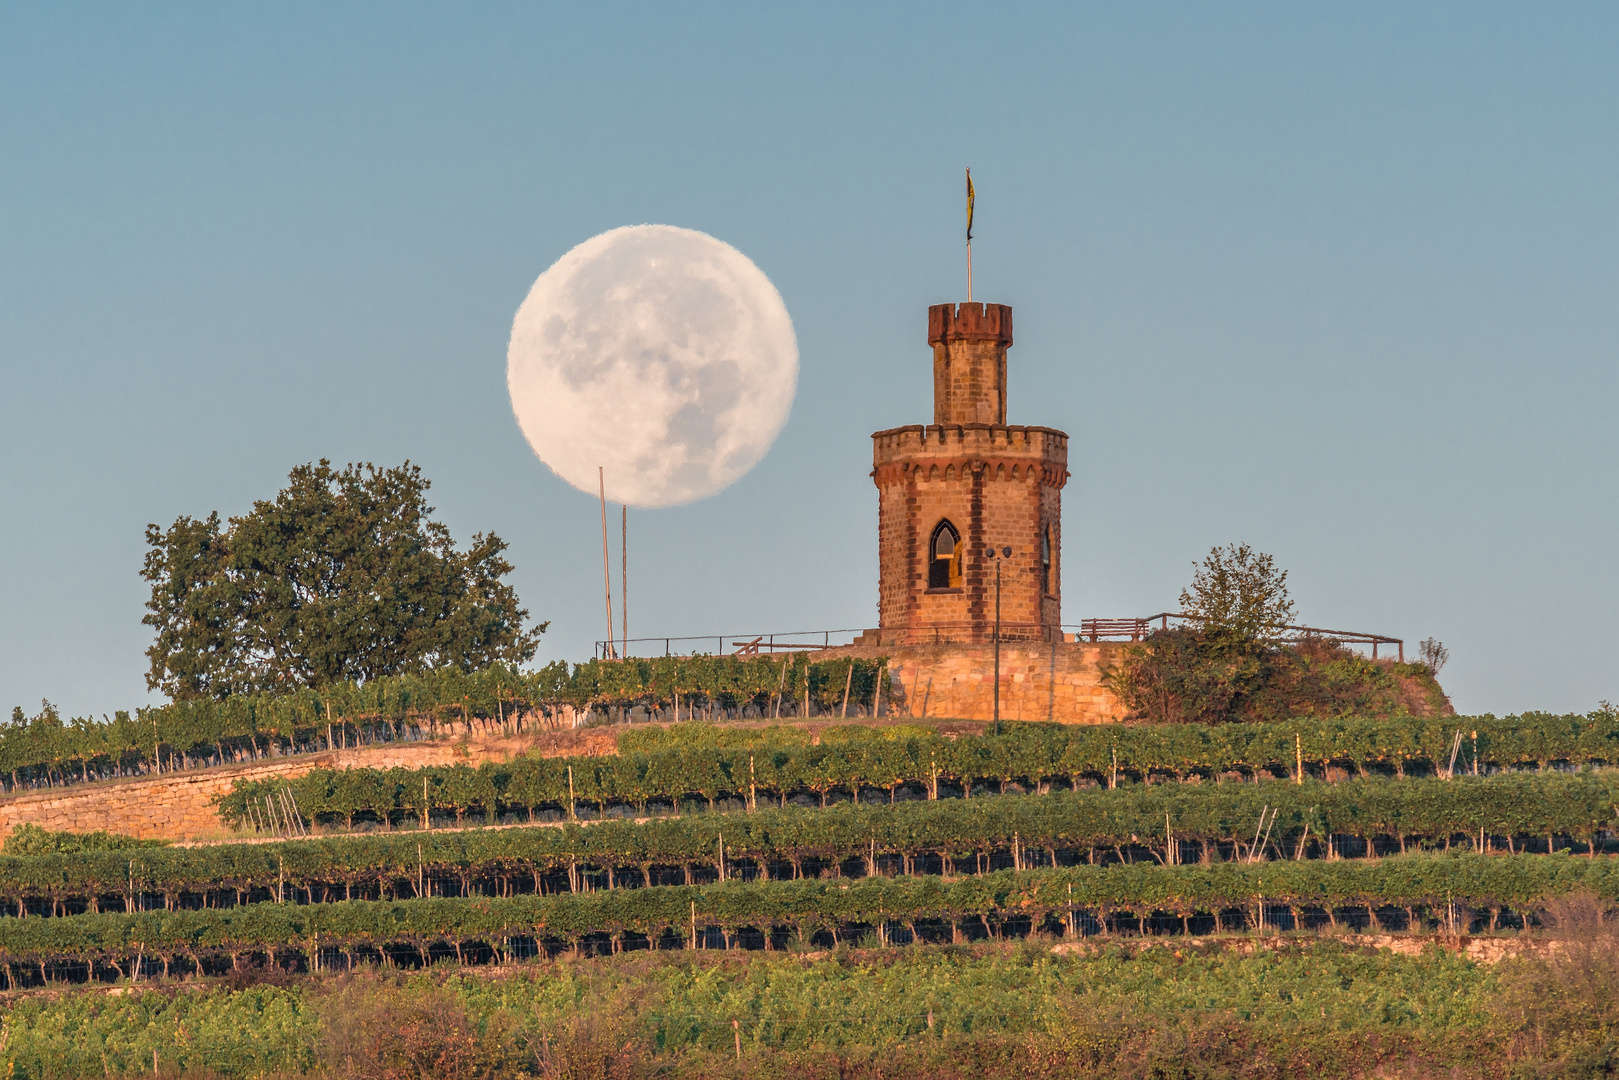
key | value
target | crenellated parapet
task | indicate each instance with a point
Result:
(970, 322)
(1006, 452)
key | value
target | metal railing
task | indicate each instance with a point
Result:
(1092, 630)
(728, 644)
(1138, 629)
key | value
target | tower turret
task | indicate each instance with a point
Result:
(969, 362)
(967, 482)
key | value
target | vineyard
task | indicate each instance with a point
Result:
(700, 839)
(45, 750)
(1164, 824)
(1454, 892)
(661, 768)
(986, 1011)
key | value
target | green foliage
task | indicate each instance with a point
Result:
(1436, 811)
(28, 839)
(1190, 675)
(998, 1012)
(1314, 677)
(1239, 596)
(1564, 1002)
(714, 763)
(1234, 662)
(726, 681)
(342, 577)
(404, 706)
(1182, 675)
(252, 1032)
(1520, 883)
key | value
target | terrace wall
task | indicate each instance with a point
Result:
(179, 805)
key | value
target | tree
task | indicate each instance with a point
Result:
(342, 576)
(1207, 671)
(1239, 594)
(1434, 654)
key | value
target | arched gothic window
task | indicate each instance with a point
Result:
(944, 557)
(1045, 562)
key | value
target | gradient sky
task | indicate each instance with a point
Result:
(1338, 281)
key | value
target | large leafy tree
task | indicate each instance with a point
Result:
(342, 576)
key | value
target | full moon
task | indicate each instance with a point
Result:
(661, 355)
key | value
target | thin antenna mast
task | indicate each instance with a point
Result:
(607, 565)
(624, 574)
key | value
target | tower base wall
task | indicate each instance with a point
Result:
(1059, 682)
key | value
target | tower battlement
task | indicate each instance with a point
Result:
(1007, 451)
(970, 322)
(969, 362)
(970, 438)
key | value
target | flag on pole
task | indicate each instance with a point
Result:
(969, 206)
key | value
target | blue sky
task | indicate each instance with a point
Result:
(1335, 280)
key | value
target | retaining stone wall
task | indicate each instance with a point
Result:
(1049, 681)
(178, 806)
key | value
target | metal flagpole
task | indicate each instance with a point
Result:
(969, 236)
(607, 572)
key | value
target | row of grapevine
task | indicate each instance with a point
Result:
(856, 759)
(47, 748)
(1511, 742)
(673, 914)
(1169, 823)
(187, 733)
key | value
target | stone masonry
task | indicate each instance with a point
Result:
(1053, 681)
(179, 805)
(972, 477)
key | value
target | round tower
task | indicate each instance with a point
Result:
(966, 484)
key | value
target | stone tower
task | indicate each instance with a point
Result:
(967, 482)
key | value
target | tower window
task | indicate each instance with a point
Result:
(1045, 562)
(944, 557)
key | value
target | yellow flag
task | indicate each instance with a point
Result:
(969, 206)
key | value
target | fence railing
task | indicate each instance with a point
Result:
(1138, 629)
(728, 644)
(946, 633)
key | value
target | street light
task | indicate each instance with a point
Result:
(1004, 553)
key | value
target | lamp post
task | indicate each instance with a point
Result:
(998, 556)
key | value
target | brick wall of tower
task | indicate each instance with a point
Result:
(969, 362)
(999, 487)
